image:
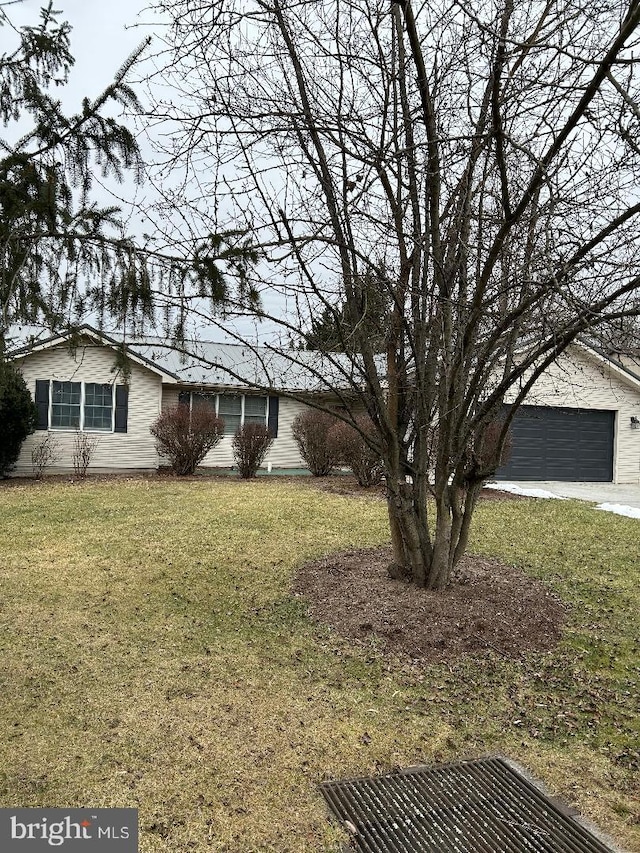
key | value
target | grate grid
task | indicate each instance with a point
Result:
(481, 806)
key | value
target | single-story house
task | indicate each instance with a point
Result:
(581, 421)
(85, 384)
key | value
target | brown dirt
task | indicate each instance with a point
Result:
(490, 607)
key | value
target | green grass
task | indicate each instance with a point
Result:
(153, 657)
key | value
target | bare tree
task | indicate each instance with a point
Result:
(477, 160)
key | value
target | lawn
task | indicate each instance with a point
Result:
(153, 657)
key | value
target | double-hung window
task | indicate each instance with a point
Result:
(98, 406)
(230, 410)
(90, 406)
(236, 410)
(66, 405)
(255, 410)
(81, 405)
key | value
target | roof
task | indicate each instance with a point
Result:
(206, 363)
(620, 368)
(225, 365)
(242, 365)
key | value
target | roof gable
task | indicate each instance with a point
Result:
(82, 334)
(619, 369)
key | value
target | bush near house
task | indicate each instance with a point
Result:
(184, 436)
(43, 454)
(311, 431)
(84, 447)
(18, 415)
(250, 445)
(354, 452)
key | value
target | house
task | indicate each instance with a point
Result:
(89, 383)
(581, 420)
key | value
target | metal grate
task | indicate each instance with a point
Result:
(480, 806)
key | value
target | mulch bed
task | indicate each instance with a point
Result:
(490, 607)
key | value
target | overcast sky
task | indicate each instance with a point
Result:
(103, 36)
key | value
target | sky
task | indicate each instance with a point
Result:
(103, 36)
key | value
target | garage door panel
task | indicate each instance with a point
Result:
(561, 444)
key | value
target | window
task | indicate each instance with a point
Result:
(65, 405)
(234, 409)
(98, 406)
(255, 410)
(91, 406)
(230, 410)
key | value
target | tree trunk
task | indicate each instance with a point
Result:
(421, 556)
(409, 558)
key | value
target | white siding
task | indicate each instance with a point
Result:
(284, 451)
(134, 449)
(578, 381)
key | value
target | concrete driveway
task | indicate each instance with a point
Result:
(610, 493)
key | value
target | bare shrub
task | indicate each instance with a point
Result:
(311, 433)
(184, 436)
(84, 446)
(354, 452)
(250, 445)
(491, 456)
(44, 454)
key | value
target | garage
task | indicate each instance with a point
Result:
(561, 444)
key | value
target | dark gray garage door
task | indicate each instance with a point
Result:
(561, 444)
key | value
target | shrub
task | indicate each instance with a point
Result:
(43, 454)
(250, 445)
(354, 452)
(488, 456)
(311, 433)
(18, 415)
(84, 446)
(184, 436)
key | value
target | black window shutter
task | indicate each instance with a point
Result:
(274, 406)
(42, 403)
(184, 398)
(122, 408)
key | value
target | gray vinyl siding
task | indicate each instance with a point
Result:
(134, 449)
(284, 451)
(577, 380)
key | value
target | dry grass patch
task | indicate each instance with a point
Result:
(154, 657)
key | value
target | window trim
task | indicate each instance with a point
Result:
(81, 426)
